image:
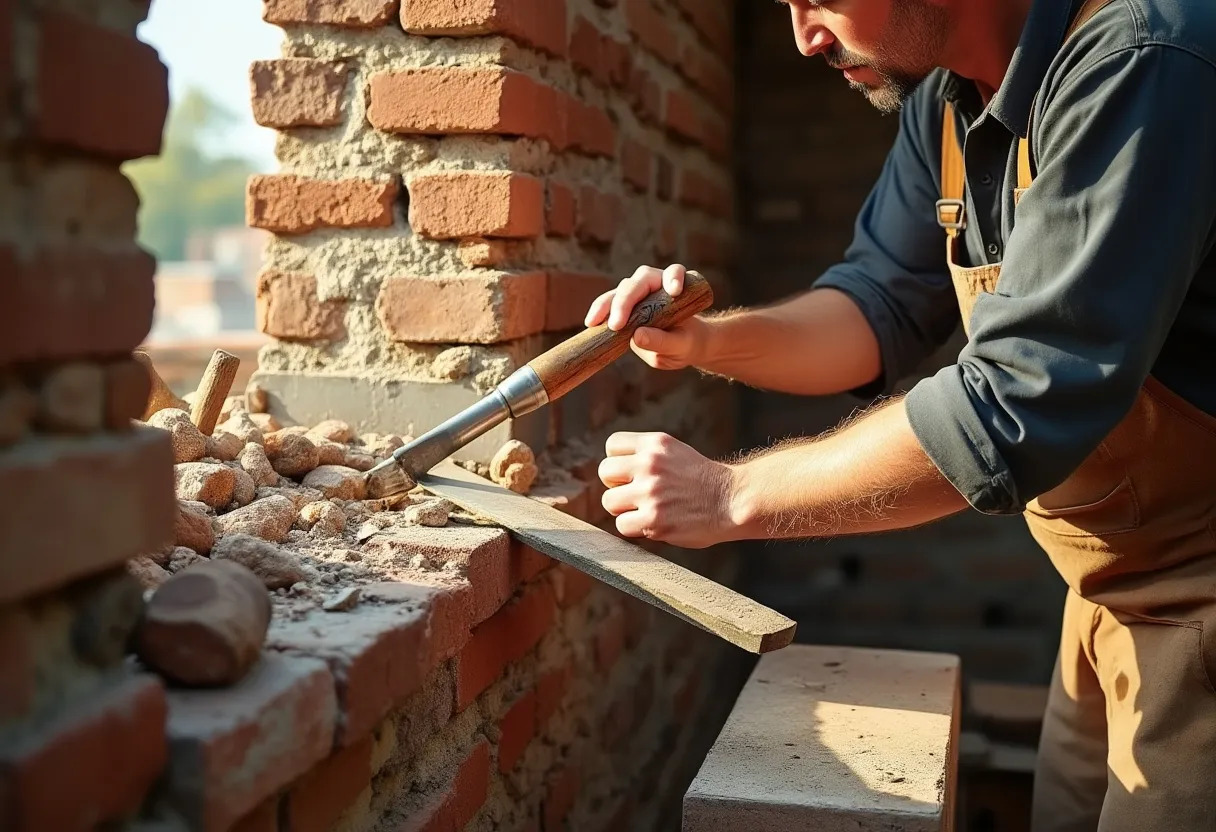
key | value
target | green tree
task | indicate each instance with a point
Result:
(185, 189)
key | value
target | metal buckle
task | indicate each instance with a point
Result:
(947, 208)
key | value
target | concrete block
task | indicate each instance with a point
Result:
(831, 739)
(401, 407)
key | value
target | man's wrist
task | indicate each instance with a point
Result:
(741, 512)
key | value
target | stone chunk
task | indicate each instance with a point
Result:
(253, 459)
(834, 738)
(193, 529)
(269, 519)
(276, 567)
(243, 427)
(323, 518)
(265, 422)
(432, 512)
(334, 430)
(329, 453)
(514, 467)
(189, 444)
(337, 482)
(145, 570)
(359, 461)
(224, 446)
(72, 399)
(245, 489)
(183, 558)
(290, 454)
(207, 482)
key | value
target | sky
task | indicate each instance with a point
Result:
(210, 45)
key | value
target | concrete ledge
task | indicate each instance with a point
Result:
(827, 739)
(400, 407)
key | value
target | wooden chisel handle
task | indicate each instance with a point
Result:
(576, 359)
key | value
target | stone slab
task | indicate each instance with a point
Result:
(400, 407)
(832, 739)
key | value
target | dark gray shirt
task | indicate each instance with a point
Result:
(1108, 269)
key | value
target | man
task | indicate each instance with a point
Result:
(1079, 238)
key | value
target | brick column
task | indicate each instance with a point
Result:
(457, 185)
(82, 737)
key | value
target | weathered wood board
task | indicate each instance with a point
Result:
(616, 562)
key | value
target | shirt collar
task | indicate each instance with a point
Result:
(1040, 41)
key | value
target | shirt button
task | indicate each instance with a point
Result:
(994, 249)
(986, 179)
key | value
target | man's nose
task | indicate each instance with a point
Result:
(811, 36)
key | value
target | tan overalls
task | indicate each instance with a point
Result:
(1129, 737)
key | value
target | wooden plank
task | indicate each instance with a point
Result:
(617, 562)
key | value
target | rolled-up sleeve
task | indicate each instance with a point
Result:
(895, 267)
(1104, 249)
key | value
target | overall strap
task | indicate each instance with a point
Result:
(950, 208)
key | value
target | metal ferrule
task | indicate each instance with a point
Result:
(520, 394)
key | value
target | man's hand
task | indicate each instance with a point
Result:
(660, 488)
(673, 349)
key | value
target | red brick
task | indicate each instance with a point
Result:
(538, 23)
(590, 129)
(610, 642)
(618, 57)
(446, 100)
(573, 585)
(288, 307)
(707, 73)
(569, 297)
(651, 29)
(474, 309)
(560, 798)
(289, 204)
(16, 663)
(715, 135)
(667, 243)
(636, 164)
(704, 250)
(502, 639)
(319, 798)
(518, 727)
(550, 691)
(452, 205)
(265, 818)
(681, 117)
(356, 14)
(527, 563)
(377, 658)
(664, 178)
(710, 20)
(98, 91)
(645, 96)
(599, 215)
(588, 50)
(230, 749)
(117, 490)
(452, 809)
(559, 211)
(93, 763)
(68, 301)
(298, 92)
(701, 192)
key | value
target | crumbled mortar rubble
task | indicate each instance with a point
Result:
(291, 503)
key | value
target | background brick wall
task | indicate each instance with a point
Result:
(809, 150)
(82, 736)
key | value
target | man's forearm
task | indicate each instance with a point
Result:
(817, 343)
(870, 476)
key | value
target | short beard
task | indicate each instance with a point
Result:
(921, 29)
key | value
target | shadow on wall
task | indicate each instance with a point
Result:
(809, 150)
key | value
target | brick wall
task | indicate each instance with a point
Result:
(809, 151)
(456, 185)
(82, 736)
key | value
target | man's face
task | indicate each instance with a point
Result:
(884, 47)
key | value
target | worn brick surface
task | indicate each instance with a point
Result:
(298, 92)
(357, 14)
(93, 763)
(288, 204)
(569, 296)
(377, 657)
(651, 29)
(482, 310)
(457, 804)
(588, 50)
(98, 91)
(318, 799)
(73, 300)
(466, 100)
(449, 205)
(288, 307)
(590, 129)
(599, 215)
(636, 164)
(560, 212)
(518, 727)
(117, 490)
(539, 23)
(502, 639)
(560, 798)
(682, 116)
(230, 749)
